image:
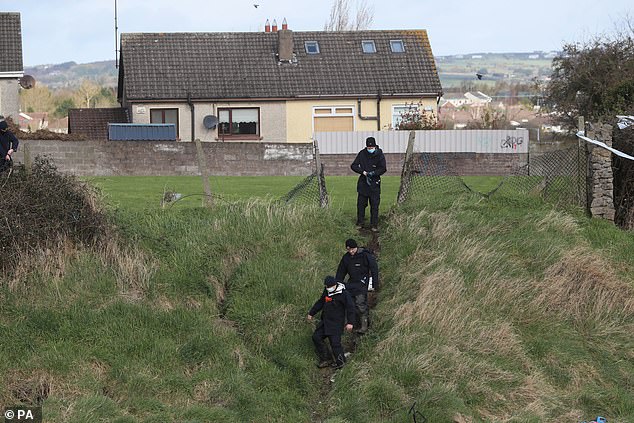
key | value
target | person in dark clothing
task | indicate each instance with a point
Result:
(8, 145)
(359, 265)
(336, 306)
(370, 165)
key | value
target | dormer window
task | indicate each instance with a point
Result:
(312, 47)
(368, 46)
(397, 46)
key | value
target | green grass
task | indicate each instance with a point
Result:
(499, 309)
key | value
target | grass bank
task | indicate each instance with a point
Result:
(491, 310)
(497, 310)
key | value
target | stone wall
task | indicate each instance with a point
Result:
(142, 158)
(600, 177)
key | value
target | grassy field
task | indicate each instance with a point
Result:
(499, 309)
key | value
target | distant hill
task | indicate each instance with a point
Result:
(513, 67)
(509, 67)
(70, 74)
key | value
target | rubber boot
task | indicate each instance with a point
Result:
(364, 325)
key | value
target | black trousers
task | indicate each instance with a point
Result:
(322, 349)
(374, 198)
(5, 164)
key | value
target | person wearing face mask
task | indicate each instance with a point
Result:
(359, 264)
(8, 145)
(336, 308)
(370, 165)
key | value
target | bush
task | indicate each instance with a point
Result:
(40, 207)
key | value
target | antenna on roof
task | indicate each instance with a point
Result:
(116, 37)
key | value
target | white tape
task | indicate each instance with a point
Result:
(604, 145)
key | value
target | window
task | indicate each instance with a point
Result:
(332, 119)
(368, 46)
(399, 111)
(397, 46)
(165, 116)
(239, 123)
(312, 47)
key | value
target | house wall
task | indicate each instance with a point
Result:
(9, 98)
(272, 118)
(299, 114)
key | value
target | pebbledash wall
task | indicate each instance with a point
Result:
(151, 158)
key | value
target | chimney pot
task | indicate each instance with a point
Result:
(274, 29)
(284, 24)
(267, 26)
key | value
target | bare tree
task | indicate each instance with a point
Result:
(87, 91)
(340, 16)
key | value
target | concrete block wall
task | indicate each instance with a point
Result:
(149, 158)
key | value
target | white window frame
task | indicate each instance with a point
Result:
(333, 114)
(315, 43)
(400, 106)
(369, 42)
(392, 42)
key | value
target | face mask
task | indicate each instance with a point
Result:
(371, 150)
(331, 289)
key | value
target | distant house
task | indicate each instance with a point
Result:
(31, 122)
(279, 86)
(11, 67)
(478, 98)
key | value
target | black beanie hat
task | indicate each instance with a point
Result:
(370, 142)
(3, 125)
(351, 243)
(330, 281)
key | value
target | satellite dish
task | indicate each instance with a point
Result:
(210, 121)
(27, 81)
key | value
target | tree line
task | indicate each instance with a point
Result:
(58, 101)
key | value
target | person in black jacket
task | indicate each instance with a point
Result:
(359, 264)
(8, 145)
(370, 165)
(336, 306)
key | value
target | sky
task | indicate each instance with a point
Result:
(56, 31)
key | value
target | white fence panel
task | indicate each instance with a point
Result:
(444, 141)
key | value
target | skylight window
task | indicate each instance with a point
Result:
(312, 47)
(368, 46)
(397, 46)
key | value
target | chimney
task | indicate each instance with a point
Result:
(267, 26)
(284, 24)
(274, 29)
(285, 45)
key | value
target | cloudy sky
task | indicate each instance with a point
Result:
(55, 31)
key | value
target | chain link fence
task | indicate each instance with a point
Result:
(558, 177)
(312, 190)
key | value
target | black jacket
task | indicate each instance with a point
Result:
(335, 311)
(375, 163)
(359, 267)
(7, 141)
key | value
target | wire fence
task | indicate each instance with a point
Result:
(312, 190)
(558, 177)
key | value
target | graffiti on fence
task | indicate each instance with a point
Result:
(512, 142)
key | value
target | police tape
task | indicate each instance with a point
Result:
(604, 145)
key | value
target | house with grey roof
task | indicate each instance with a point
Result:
(279, 86)
(11, 68)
